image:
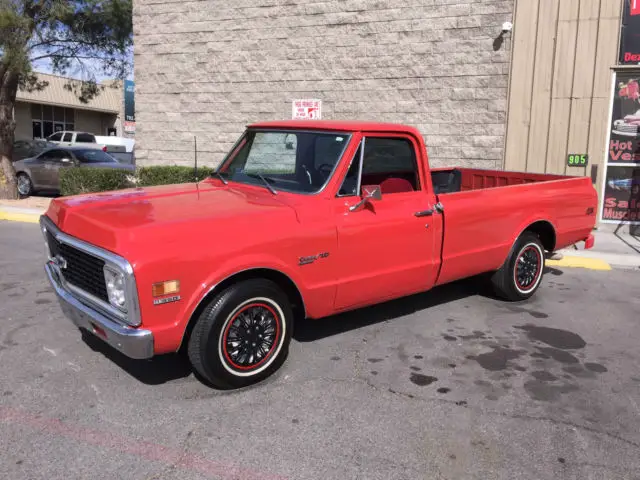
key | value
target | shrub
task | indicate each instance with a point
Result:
(167, 175)
(74, 181)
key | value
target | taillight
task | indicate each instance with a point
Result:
(104, 149)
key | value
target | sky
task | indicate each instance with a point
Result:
(44, 66)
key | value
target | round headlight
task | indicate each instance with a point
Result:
(116, 287)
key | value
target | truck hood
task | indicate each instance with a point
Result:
(165, 215)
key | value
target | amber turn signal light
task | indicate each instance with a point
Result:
(165, 288)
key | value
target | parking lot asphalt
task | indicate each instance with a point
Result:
(451, 384)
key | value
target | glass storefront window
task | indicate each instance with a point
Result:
(37, 129)
(47, 112)
(58, 114)
(47, 129)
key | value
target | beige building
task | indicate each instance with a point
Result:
(538, 97)
(38, 114)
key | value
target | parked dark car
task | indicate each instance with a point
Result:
(29, 148)
(42, 172)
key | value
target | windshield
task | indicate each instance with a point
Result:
(293, 161)
(93, 156)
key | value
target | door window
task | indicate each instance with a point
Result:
(56, 137)
(67, 137)
(51, 155)
(389, 162)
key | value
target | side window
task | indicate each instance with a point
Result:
(85, 138)
(67, 137)
(56, 137)
(51, 156)
(388, 162)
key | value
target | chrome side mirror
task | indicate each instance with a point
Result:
(369, 193)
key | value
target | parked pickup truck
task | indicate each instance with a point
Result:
(69, 138)
(303, 219)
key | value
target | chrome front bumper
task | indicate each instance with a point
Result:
(132, 342)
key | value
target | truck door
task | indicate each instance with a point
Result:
(51, 164)
(387, 247)
(67, 139)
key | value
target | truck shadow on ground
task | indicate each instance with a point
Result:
(155, 371)
(171, 367)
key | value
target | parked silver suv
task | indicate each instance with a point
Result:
(42, 172)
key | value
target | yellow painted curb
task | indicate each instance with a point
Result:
(19, 217)
(580, 262)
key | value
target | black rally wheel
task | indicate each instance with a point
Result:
(520, 276)
(243, 335)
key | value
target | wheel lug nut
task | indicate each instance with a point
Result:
(253, 344)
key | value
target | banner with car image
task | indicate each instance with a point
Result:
(624, 144)
(622, 194)
(622, 175)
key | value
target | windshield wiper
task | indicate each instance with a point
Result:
(264, 180)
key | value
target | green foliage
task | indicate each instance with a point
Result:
(74, 181)
(167, 175)
(87, 37)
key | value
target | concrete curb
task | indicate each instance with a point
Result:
(16, 214)
(580, 262)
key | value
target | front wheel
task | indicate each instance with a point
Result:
(25, 186)
(520, 276)
(243, 335)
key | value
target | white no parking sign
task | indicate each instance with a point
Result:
(306, 109)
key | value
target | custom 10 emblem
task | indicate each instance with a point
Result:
(312, 258)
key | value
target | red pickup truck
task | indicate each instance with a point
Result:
(301, 219)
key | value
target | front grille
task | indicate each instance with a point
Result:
(83, 270)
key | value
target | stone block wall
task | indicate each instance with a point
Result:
(207, 68)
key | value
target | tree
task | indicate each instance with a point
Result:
(86, 37)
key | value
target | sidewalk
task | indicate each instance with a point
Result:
(616, 249)
(25, 210)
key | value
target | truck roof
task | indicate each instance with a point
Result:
(338, 125)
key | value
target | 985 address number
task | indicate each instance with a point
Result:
(577, 159)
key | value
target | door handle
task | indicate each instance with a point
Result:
(437, 208)
(424, 213)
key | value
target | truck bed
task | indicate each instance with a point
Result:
(482, 221)
(452, 180)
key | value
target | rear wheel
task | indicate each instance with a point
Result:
(242, 336)
(521, 274)
(25, 186)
